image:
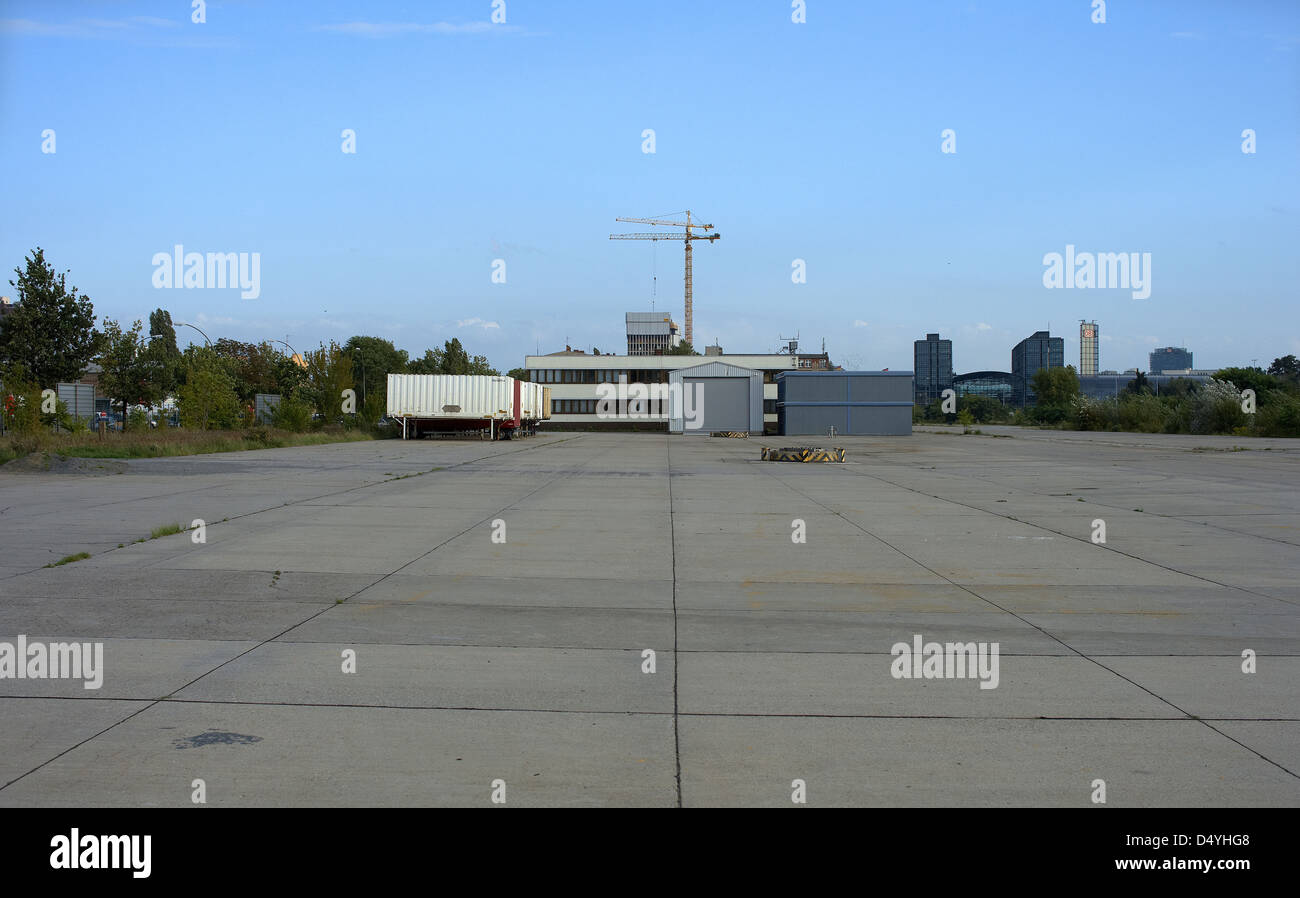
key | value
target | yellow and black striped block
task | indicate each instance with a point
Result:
(802, 453)
(733, 434)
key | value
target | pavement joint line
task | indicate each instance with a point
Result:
(362, 486)
(300, 623)
(1076, 538)
(1042, 630)
(895, 468)
(1069, 653)
(623, 712)
(672, 543)
(1168, 517)
(302, 501)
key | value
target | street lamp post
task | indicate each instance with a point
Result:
(183, 324)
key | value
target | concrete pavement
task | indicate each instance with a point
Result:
(523, 661)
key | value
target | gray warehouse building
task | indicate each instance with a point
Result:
(874, 403)
(715, 396)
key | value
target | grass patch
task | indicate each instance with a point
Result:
(166, 443)
(165, 530)
(68, 559)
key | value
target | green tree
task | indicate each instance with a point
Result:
(519, 374)
(252, 367)
(1056, 387)
(163, 352)
(1139, 385)
(682, 348)
(290, 376)
(455, 360)
(1286, 368)
(207, 399)
(983, 409)
(328, 374)
(1248, 379)
(131, 375)
(479, 365)
(1178, 388)
(51, 331)
(373, 359)
(429, 363)
(451, 359)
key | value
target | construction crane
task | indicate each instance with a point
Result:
(687, 237)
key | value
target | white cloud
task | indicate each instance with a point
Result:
(860, 323)
(215, 319)
(983, 327)
(477, 322)
(144, 30)
(155, 21)
(393, 29)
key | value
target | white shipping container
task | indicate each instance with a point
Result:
(530, 401)
(463, 396)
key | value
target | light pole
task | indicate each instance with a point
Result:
(183, 324)
(281, 342)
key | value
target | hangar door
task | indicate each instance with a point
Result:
(723, 401)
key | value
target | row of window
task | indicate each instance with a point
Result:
(598, 376)
(646, 407)
(608, 376)
(650, 407)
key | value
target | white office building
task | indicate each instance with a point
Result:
(575, 378)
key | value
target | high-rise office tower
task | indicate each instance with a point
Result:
(932, 367)
(1089, 337)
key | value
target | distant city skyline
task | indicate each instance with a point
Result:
(880, 172)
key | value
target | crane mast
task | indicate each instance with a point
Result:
(686, 238)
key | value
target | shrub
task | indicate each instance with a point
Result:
(377, 403)
(208, 397)
(1280, 416)
(1092, 414)
(1050, 414)
(1217, 409)
(1141, 413)
(20, 402)
(292, 414)
(984, 409)
(60, 418)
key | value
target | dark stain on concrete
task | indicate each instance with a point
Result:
(215, 737)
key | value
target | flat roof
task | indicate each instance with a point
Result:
(777, 360)
(805, 373)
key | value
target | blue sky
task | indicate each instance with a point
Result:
(522, 141)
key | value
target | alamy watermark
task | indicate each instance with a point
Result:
(633, 402)
(1126, 271)
(214, 270)
(946, 661)
(23, 660)
(89, 852)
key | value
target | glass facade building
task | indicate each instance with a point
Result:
(1005, 387)
(1171, 358)
(1038, 350)
(1110, 386)
(932, 364)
